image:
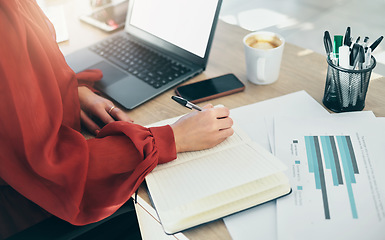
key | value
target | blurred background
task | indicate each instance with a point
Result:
(300, 22)
(303, 22)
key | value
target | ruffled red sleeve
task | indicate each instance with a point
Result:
(43, 155)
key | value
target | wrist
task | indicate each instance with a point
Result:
(164, 139)
(175, 131)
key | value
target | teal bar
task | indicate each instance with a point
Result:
(313, 151)
(309, 153)
(326, 151)
(329, 158)
(348, 171)
(345, 155)
(321, 176)
(297, 162)
(352, 155)
(336, 159)
(315, 163)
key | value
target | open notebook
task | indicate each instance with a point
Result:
(203, 186)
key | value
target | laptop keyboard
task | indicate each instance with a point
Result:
(144, 63)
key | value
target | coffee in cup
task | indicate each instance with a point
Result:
(263, 52)
(263, 42)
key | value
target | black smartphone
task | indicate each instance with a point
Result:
(210, 88)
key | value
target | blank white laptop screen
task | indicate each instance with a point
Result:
(184, 23)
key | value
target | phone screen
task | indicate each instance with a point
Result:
(210, 88)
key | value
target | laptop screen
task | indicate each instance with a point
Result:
(184, 23)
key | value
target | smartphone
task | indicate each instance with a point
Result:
(109, 17)
(210, 88)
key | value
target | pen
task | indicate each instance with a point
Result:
(344, 54)
(354, 54)
(368, 56)
(347, 40)
(365, 45)
(186, 103)
(328, 43)
(361, 58)
(337, 44)
(375, 44)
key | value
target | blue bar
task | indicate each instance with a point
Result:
(348, 169)
(329, 158)
(345, 156)
(352, 155)
(309, 153)
(297, 162)
(336, 160)
(313, 165)
(321, 176)
(326, 151)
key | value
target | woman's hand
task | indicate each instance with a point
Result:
(93, 105)
(203, 129)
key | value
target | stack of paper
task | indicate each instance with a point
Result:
(296, 128)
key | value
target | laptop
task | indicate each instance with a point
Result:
(164, 43)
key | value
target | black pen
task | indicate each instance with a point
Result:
(375, 44)
(328, 43)
(186, 103)
(347, 40)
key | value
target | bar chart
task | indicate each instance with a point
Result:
(330, 152)
(335, 167)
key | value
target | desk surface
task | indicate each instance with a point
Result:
(301, 70)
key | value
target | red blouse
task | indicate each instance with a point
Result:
(43, 155)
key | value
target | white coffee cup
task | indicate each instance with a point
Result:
(263, 52)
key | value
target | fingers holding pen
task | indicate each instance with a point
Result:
(222, 116)
(202, 129)
(216, 119)
(208, 106)
(225, 123)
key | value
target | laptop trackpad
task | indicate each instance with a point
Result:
(111, 74)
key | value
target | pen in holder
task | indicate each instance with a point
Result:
(345, 89)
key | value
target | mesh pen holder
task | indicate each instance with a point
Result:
(345, 89)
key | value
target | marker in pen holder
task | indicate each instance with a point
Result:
(345, 89)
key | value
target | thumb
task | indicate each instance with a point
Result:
(208, 106)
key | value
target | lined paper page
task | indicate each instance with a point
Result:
(261, 186)
(239, 137)
(210, 174)
(225, 203)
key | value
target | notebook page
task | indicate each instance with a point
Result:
(175, 223)
(234, 195)
(164, 122)
(210, 174)
(239, 137)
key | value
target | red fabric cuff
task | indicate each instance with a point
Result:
(165, 143)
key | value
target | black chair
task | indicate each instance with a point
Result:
(121, 225)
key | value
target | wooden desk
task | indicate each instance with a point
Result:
(301, 70)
